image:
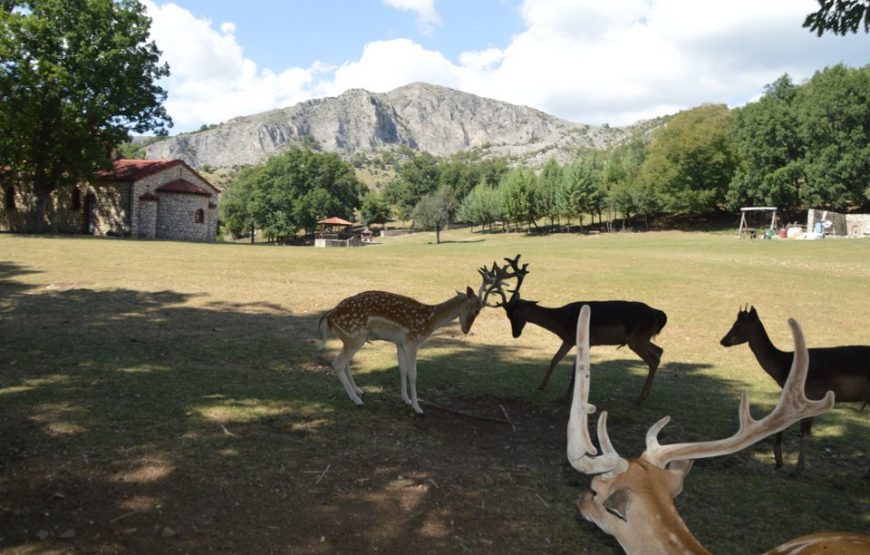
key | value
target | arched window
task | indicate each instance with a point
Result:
(9, 198)
(199, 216)
(76, 199)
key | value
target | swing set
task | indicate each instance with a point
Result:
(756, 220)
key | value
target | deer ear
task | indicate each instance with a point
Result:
(677, 471)
(618, 503)
(470, 293)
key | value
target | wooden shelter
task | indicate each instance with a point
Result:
(335, 232)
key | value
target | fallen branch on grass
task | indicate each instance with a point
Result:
(465, 414)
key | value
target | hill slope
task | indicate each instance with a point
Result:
(420, 116)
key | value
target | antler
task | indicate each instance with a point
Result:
(493, 281)
(792, 406)
(579, 442)
(519, 273)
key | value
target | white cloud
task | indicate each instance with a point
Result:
(385, 65)
(583, 60)
(427, 18)
(211, 81)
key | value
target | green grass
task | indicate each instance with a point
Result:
(134, 371)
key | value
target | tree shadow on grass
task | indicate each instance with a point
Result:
(146, 422)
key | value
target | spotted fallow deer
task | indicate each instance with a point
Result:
(633, 500)
(378, 315)
(620, 323)
(844, 370)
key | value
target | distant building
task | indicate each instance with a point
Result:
(150, 199)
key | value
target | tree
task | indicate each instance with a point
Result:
(374, 209)
(518, 194)
(769, 150)
(579, 188)
(435, 211)
(482, 206)
(549, 182)
(839, 17)
(690, 162)
(292, 191)
(834, 116)
(76, 78)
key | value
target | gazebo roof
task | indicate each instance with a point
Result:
(335, 220)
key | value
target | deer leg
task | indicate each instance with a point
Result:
(651, 354)
(402, 355)
(560, 354)
(806, 433)
(777, 450)
(411, 358)
(341, 365)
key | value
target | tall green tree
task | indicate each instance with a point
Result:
(579, 188)
(549, 182)
(769, 150)
(76, 78)
(690, 161)
(292, 191)
(374, 209)
(519, 197)
(435, 211)
(482, 206)
(834, 115)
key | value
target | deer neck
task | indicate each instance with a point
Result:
(446, 312)
(539, 315)
(775, 362)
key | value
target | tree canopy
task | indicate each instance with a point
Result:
(839, 17)
(76, 78)
(291, 192)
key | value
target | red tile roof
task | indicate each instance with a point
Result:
(184, 187)
(133, 170)
(335, 220)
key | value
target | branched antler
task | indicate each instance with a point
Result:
(792, 405)
(581, 451)
(493, 282)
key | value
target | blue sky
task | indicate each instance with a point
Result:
(586, 61)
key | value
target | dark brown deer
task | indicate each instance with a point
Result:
(843, 370)
(620, 323)
(633, 499)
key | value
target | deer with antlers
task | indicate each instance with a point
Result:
(634, 500)
(844, 370)
(378, 315)
(620, 323)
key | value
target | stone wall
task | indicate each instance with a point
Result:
(111, 209)
(175, 217)
(180, 224)
(118, 209)
(858, 225)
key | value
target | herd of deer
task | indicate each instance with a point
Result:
(631, 500)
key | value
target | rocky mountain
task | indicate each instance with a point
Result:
(424, 117)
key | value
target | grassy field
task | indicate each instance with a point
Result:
(170, 397)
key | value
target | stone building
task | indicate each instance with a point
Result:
(150, 199)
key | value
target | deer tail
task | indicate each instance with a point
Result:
(322, 326)
(662, 320)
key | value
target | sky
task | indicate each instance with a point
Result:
(595, 62)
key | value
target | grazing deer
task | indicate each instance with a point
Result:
(634, 500)
(843, 370)
(614, 323)
(378, 315)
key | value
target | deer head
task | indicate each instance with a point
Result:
(747, 320)
(633, 500)
(510, 305)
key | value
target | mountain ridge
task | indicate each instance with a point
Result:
(420, 116)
